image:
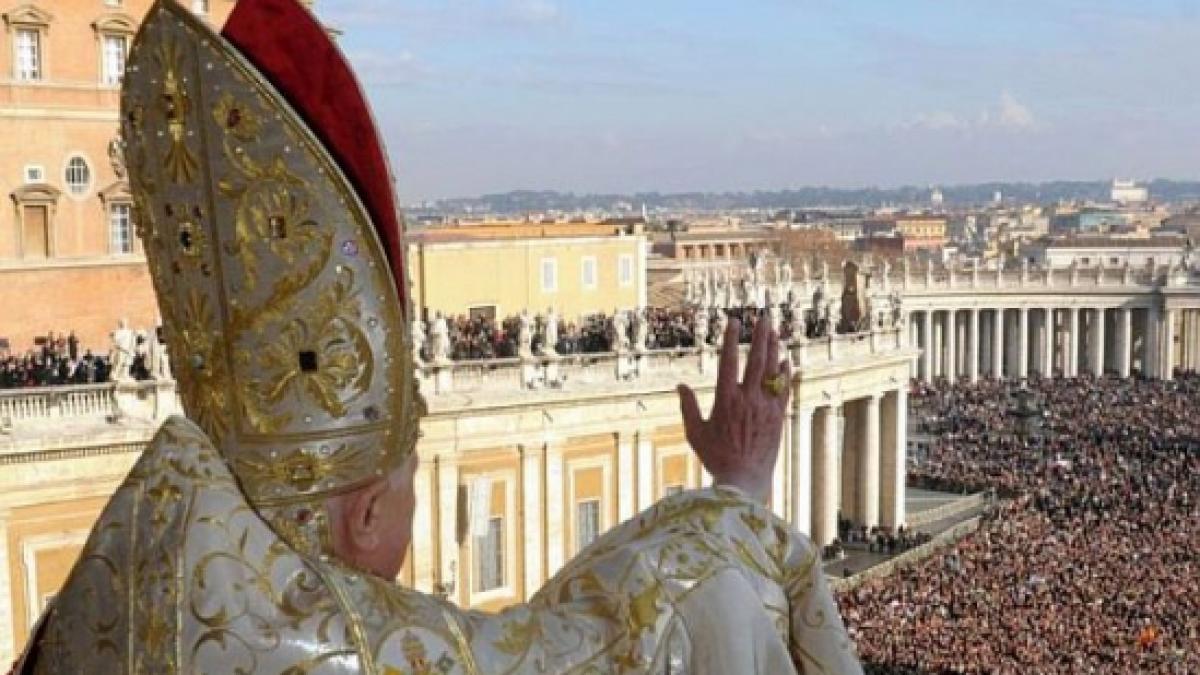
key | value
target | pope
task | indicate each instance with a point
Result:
(262, 533)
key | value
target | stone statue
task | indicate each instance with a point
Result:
(124, 345)
(159, 364)
(417, 330)
(700, 327)
(439, 340)
(641, 330)
(116, 157)
(525, 335)
(620, 331)
(854, 308)
(897, 310)
(550, 334)
(722, 323)
(785, 280)
(1189, 256)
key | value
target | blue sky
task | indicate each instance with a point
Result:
(620, 95)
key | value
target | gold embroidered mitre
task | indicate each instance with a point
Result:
(283, 312)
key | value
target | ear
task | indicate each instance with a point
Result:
(366, 516)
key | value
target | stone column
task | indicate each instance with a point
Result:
(894, 451)
(939, 339)
(927, 347)
(1124, 341)
(1072, 350)
(825, 473)
(1167, 355)
(802, 466)
(868, 464)
(1150, 342)
(423, 550)
(973, 350)
(449, 566)
(1097, 351)
(998, 343)
(951, 337)
(1023, 345)
(533, 509)
(556, 531)
(627, 486)
(1047, 360)
(645, 471)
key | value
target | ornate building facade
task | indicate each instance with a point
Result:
(522, 464)
(69, 256)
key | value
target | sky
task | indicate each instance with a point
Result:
(482, 96)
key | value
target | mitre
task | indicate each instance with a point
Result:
(265, 205)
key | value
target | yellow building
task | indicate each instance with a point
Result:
(498, 270)
(69, 257)
(922, 232)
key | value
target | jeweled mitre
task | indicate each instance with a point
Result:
(268, 221)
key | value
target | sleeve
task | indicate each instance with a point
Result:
(819, 642)
(704, 582)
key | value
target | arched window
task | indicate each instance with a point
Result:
(78, 176)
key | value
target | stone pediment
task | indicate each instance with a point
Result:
(36, 193)
(117, 192)
(115, 22)
(28, 15)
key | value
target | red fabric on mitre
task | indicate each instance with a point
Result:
(295, 53)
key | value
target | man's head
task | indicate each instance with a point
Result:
(371, 527)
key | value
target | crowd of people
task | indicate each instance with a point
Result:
(58, 359)
(1089, 566)
(54, 360)
(480, 337)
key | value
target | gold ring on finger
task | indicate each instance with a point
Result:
(775, 385)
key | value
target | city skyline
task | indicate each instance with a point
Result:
(480, 96)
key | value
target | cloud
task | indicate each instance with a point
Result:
(534, 11)
(391, 68)
(1008, 114)
(1013, 114)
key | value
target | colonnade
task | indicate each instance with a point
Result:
(848, 457)
(1054, 341)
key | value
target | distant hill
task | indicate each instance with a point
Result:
(523, 201)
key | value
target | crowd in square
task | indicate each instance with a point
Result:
(1090, 564)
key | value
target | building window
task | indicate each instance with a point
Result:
(113, 59)
(120, 227)
(625, 270)
(200, 7)
(549, 275)
(587, 523)
(35, 173)
(589, 273)
(28, 58)
(489, 557)
(78, 176)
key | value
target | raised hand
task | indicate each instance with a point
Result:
(739, 443)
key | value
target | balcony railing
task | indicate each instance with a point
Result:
(578, 372)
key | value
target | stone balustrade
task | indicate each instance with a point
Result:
(582, 371)
(99, 403)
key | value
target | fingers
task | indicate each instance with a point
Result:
(785, 369)
(772, 358)
(756, 364)
(690, 407)
(727, 369)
